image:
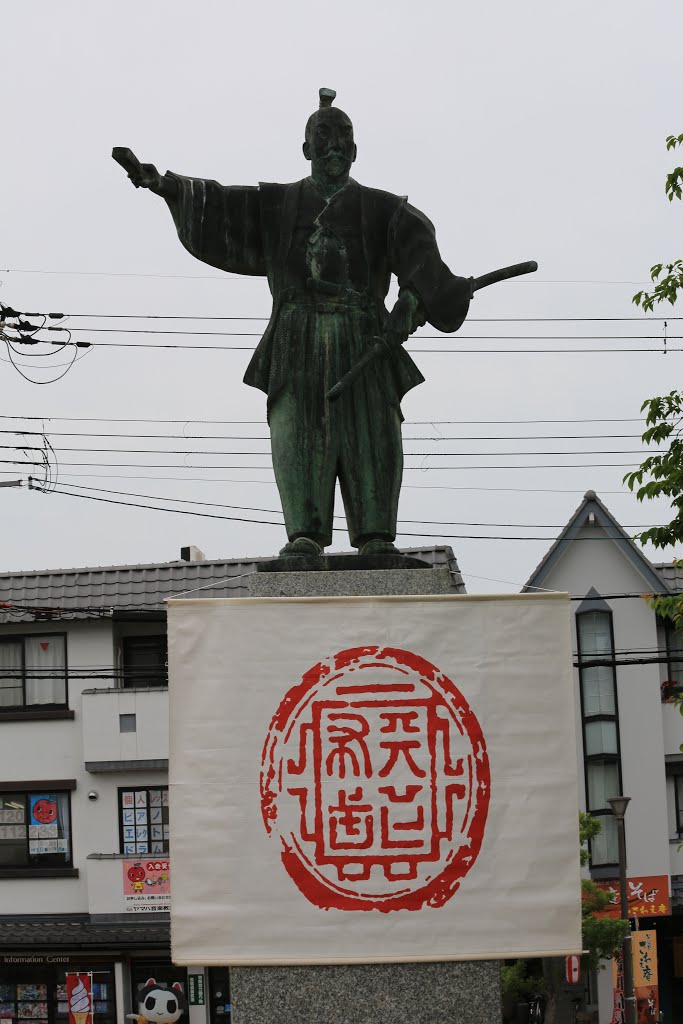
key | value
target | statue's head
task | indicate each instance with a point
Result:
(329, 141)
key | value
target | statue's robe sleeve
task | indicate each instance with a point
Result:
(219, 224)
(417, 263)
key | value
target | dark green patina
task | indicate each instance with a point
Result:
(328, 247)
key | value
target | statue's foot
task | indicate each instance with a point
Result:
(302, 546)
(377, 546)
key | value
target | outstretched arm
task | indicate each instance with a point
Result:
(220, 225)
(145, 175)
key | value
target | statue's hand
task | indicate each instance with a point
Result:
(142, 175)
(406, 316)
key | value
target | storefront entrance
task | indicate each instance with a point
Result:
(33, 988)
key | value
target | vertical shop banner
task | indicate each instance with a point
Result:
(372, 779)
(645, 976)
(147, 885)
(79, 996)
(619, 1006)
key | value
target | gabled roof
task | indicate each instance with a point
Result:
(591, 512)
(138, 589)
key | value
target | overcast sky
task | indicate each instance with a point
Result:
(524, 131)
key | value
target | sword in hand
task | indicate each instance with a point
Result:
(380, 346)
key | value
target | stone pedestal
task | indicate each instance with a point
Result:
(424, 993)
(411, 993)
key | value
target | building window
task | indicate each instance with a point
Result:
(143, 818)
(678, 789)
(600, 727)
(35, 829)
(674, 652)
(33, 671)
(145, 660)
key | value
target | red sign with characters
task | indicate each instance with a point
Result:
(375, 777)
(648, 896)
(573, 970)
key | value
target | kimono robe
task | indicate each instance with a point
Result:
(328, 262)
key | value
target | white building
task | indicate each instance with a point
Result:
(628, 740)
(84, 712)
(84, 783)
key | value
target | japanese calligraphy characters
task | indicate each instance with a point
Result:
(375, 778)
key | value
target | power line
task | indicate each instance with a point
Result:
(225, 276)
(266, 437)
(470, 319)
(402, 533)
(440, 454)
(441, 336)
(408, 348)
(190, 419)
(271, 511)
(408, 469)
(271, 483)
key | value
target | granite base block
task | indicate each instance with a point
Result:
(352, 583)
(415, 993)
(327, 563)
(421, 993)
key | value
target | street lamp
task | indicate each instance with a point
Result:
(619, 805)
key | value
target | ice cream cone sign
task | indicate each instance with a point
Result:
(79, 993)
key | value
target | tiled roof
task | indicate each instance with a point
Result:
(81, 932)
(89, 592)
(672, 575)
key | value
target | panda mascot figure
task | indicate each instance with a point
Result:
(158, 1004)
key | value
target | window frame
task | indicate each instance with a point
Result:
(678, 797)
(122, 842)
(33, 868)
(13, 711)
(668, 635)
(130, 640)
(600, 757)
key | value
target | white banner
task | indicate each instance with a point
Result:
(372, 779)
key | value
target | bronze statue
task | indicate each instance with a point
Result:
(328, 247)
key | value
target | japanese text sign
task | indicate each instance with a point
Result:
(365, 779)
(147, 885)
(619, 1001)
(645, 976)
(648, 896)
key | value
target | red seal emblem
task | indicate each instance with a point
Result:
(376, 780)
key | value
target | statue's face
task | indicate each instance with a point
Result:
(330, 146)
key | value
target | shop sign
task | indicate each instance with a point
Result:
(196, 986)
(24, 959)
(648, 896)
(645, 979)
(147, 885)
(619, 1003)
(79, 998)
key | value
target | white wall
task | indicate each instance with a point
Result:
(102, 736)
